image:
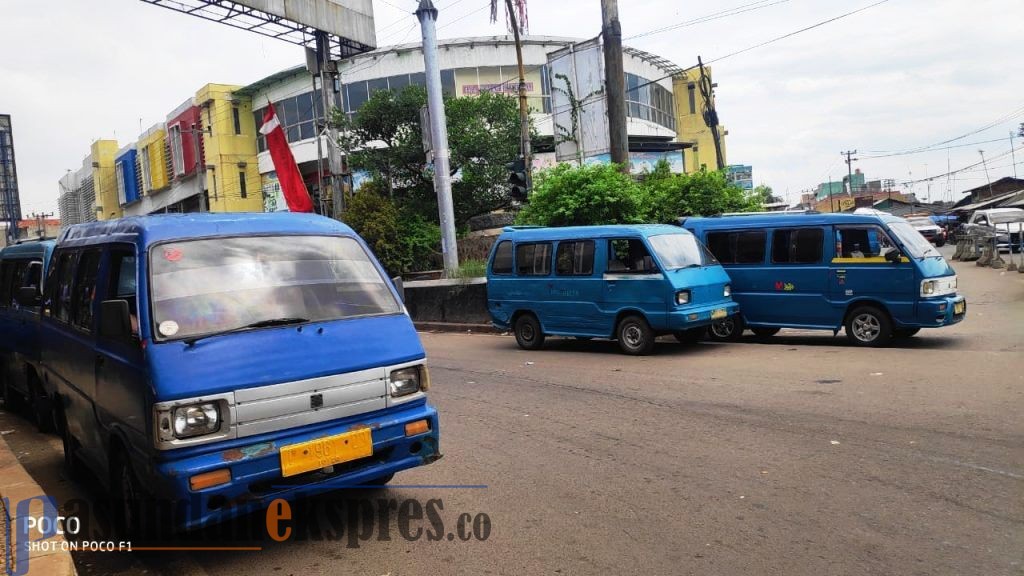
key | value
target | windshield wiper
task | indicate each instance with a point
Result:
(258, 324)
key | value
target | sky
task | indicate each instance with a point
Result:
(896, 77)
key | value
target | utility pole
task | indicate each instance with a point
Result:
(1013, 155)
(987, 177)
(524, 110)
(427, 15)
(41, 223)
(849, 167)
(334, 162)
(615, 84)
(707, 93)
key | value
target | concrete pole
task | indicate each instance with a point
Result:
(524, 111)
(615, 83)
(427, 15)
(323, 55)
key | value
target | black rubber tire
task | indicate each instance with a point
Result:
(866, 320)
(765, 332)
(126, 498)
(720, 331)
(904, 332)
(691, 336)
(940, 242)
(528, 332)
(635, 335)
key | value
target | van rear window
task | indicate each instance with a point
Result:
(797, 246)
(502, 263)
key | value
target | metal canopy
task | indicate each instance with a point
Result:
(245, 17)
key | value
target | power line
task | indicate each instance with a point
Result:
(908, 152)
(709, 17)
(1011, 116)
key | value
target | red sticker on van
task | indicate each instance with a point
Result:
(172, 254)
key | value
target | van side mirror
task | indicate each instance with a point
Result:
(892, 255)
(115, 319)
(28, 296)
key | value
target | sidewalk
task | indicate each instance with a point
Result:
(15, 486)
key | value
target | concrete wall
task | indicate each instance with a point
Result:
(462, 301)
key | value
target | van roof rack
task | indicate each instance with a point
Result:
(768, 213)
(521, 227)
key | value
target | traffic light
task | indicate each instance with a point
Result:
(517, 178)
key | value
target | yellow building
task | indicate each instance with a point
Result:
(690, 125)
(153, 160)
(229, 150)
(104, 179)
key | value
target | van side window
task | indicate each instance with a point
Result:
(34, 273)
(502, 263)
(84, 292)
(533, 259)
(797, 246)
(575, 258)
(60, 290)
(861, 242)
(121, 284)
(738, 247)
(629, 256)
(6, 283)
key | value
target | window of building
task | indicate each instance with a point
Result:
(147, 177)
(119, 173)
(691, 91)
(797, 246)
(241, 184)
(297, 116)
(84, 292)
(177, 151)
(236, 117)
(575, 258)
(502, 263)
(649, 101)
(629, 256)
(533, 259)
(738, 247)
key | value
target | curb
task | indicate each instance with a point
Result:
(17, 485)
(456, 327)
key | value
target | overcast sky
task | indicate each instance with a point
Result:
(898, 76)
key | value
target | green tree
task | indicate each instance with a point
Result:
(375, 218)
(763, 193)
(702, 193)
(592, 194)
(385, 138)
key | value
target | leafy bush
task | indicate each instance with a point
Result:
(669, 196)
(375, 218)
(574, 196)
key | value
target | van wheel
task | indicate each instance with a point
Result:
(727, 330)
(765, 332)
(904, 332)
(126, 496)
(71, 465)
(868, 326)
(635, 336)
(691, 336)
(529, 335)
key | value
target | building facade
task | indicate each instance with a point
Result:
(10, 199)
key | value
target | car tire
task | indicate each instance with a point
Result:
(765, 333)
(904, 332)
(635, 335)
(940, 242)
(691, 336)
(529, 334)
(127, 496)
(868, 326)
(72, 466)
(727, 329)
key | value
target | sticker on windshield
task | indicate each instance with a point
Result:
(168, 328)
(172, 255)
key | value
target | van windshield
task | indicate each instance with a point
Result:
(676, 251)
(917, 245)
(208, 286)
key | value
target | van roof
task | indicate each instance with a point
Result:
(30, 248)
(145, 230)
(776, 220)
(540, 233)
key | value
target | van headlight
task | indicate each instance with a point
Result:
(195, 420)
(928, 287)
(409, 380)
(727, 291)
(682, 297)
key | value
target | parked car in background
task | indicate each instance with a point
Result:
(22, 269)
(931, 231)
(1005, 223)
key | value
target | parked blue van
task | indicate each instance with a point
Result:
(628, 283)
(872, 274)
(22, 268)
(226, 360)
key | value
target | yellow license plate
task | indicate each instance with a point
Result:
(958, 308)
(720, 313)
(323, 452)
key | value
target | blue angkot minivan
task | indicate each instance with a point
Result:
(872, 274)
(630, 283)
(228, 360)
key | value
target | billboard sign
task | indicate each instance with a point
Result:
(578, 107)
(741, 175)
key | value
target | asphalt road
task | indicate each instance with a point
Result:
(798, 456)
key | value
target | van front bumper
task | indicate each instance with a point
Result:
(942, 311)
(255, 466)
(696, 316)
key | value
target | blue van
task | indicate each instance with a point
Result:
(872, 274)
(227, 360)
(22, 269)
(628, 283)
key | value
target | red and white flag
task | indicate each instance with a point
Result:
(292, 185)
